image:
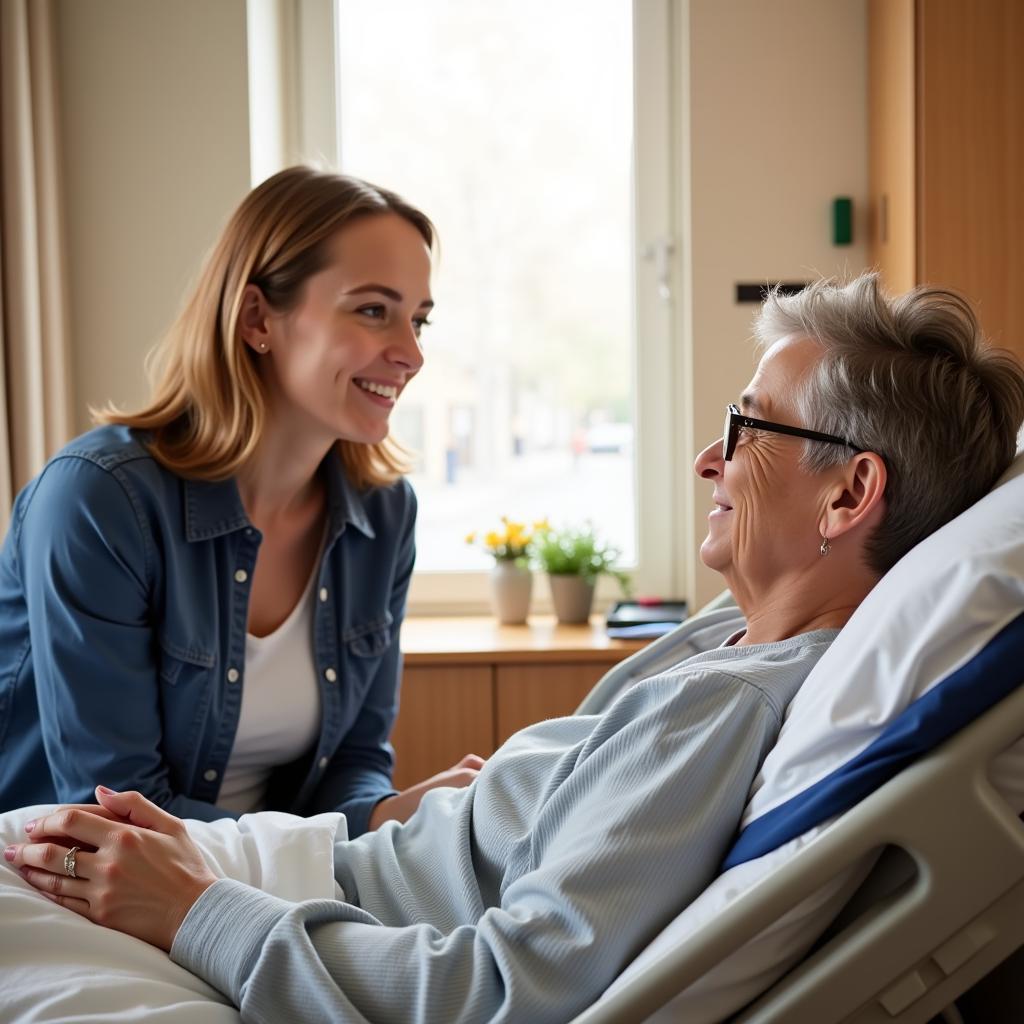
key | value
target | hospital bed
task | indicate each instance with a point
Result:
(906, 736)
(952, 907)
(874, 758)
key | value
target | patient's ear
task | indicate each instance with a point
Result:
(254, 319)
(858, 495)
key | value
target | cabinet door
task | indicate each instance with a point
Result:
(445, 713)
(531, 693)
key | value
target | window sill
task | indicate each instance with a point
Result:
(479, 639)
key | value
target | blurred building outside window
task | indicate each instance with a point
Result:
(510, 124)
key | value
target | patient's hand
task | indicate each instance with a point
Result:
(402, 806)
(136, 869)
(97, 809)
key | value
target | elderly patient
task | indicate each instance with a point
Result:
(868, 423)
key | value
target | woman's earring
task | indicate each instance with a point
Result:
(825, 547)
(263, 346)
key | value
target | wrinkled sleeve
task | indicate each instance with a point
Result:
(87, 564)
(638, 832)
(359, 775)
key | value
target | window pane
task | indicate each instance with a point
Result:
(510, 124)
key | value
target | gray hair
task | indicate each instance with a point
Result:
(911, 379)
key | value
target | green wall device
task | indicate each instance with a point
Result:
(842, 220)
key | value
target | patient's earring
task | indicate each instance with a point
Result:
(825, 547)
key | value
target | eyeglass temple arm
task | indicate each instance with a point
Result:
(781, 428)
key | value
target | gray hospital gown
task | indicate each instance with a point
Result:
(521, 898)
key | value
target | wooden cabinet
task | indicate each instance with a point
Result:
(469, 684)
(946, 169)
(446, 711)
(525, 694)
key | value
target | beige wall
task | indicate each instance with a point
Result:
(778, 127)
(155, 142)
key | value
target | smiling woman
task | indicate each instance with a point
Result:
(867, 416)
(201, 600)
(339, 358)
(762, 491)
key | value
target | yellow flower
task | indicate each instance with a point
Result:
(511, 540)
(542, 524)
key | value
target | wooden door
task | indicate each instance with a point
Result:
(892, 214)
(970, 82)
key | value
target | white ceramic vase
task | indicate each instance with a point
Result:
(572, 596)
(511, 586)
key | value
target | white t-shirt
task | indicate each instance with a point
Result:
(280, 716)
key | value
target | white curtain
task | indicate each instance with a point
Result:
(35, 387)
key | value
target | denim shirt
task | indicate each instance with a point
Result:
(124, 593)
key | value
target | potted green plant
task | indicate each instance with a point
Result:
(574, 557)
(511, 578)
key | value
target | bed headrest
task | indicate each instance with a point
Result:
(937, 641)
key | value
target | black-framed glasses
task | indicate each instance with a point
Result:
(735, 421)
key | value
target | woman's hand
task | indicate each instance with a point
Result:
(136, 871)
(402, 806)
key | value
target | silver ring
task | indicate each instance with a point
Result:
(69, 862)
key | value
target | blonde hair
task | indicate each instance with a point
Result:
(207, 410)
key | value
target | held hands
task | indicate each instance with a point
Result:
(136, 869)
(402, 806)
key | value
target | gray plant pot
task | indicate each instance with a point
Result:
(511, 585)
(572, 596)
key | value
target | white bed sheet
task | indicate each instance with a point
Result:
(57, 966)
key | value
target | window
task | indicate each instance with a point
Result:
(512, 125)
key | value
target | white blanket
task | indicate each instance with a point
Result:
(57, 966)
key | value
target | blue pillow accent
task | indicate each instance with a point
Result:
(993, 673)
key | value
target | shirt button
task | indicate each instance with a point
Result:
(323, 593)
(323, 763)
(232, 675)
(241, 576)
(331, 675)
(248, 531)
(210, 775)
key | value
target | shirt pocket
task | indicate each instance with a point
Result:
(368, 639)
(187, 700)
(180, 663)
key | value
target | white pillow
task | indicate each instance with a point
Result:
(57, 966)
(933, 612)
(930, 614)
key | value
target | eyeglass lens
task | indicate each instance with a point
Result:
(727, 435)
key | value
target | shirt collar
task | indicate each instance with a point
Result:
(344, 502)
(214, 507)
